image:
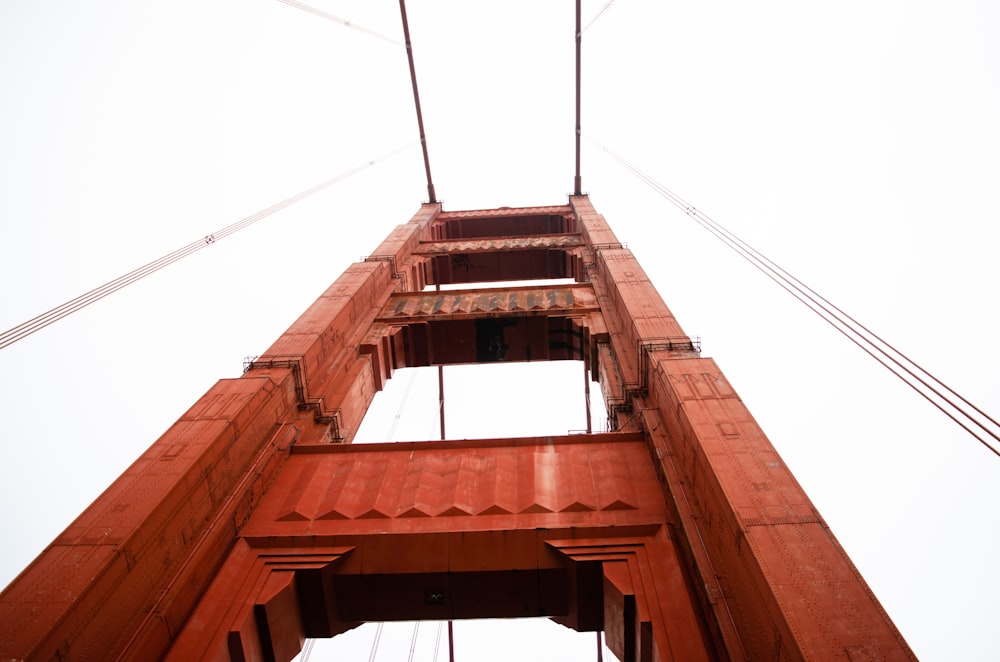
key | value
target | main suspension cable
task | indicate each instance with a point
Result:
(906, 369)
(416, 101)
(43, 320)
(336, 19)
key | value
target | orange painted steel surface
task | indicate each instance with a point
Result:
(593, 480)
(502, 244)
(502, 259)
(472, 304)
(254, 522)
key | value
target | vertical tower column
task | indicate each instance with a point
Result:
(770, 573)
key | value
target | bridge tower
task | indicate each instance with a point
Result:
(254, 522)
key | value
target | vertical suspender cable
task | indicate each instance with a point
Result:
(441, 398)
(437, 287)
(451, 625)
(577, 182)
(586, 382)
(416, 101)
(451, 634)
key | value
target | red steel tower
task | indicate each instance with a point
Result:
(254, 522)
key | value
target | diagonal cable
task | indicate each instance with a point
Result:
(413, 641)
(336, 19)
(605, 8)
(871, 343)
(307, 650)
(39, 322)
(378, 637)
(437, 641)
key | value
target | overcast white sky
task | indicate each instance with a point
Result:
(856, 143)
